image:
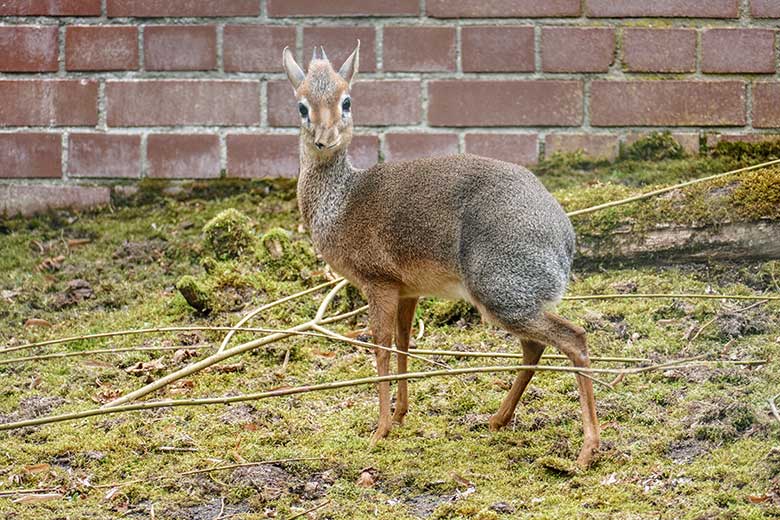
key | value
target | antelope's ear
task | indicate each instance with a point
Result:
(293, 70)
(349, 70)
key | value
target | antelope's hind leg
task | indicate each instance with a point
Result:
(532, 353)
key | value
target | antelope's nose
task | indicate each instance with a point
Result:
(319, 145)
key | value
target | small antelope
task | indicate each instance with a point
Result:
(452, 227)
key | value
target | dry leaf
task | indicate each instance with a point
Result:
(357, 333)
(94, 363)
(75, 242)
(758, 499)
(36, 468)
(145, 367)
(182, 354)
(182, 386)
(51, 264)
(324, 353)
(226, 369)
(367, 478)
(503, 385)
(111, 493)
(32, 499)
(37, 322)
(461, 480)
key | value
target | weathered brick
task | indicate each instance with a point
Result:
(104, 155)
(282, 106)
(182, 102)
(339, 42)
(404, 147)
(402, 49)
(663, 8)
(48, 102)
(163, 8)
(738, 50)
(256, 48)
(385, 102)
(27, 155)
(262, 155)
(502, 8)
(93, 47)
(29, 199)
(765, 8)
(577, 49)
(662, 103)
(659, 50)
(497, 49)
(364, 151)
(766, 105)
(29, 48)
(505, 103)
(688, 140)
(183, 156)
(50, 8)
(602, 146)
(343, 8)
(180, 47)
(515, 148)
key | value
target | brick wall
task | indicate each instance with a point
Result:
(98, 91)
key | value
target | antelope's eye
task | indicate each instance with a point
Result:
(303, 110)
(346, 105)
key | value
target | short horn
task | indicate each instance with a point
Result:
(323, 55)
(314, 54)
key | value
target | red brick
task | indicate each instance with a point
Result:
(364, 151)
(179, 156)
(766, 105)
(404, 147)
(163, 8)
(689, 141)
(48, 102)
(672, 103)
(282, 105)
(50, 7)
(29, 48)
(30, 155)
(497, 49)
(502, 8)
(385, 102)
(26, 200)
(505, 103)
(577, 49)
(659, 50)
(182, 102)
(262, 155)
(104, 155)
(738, 50)
(92, 47)
(343, 8)
(180, 47)
(339, 42)
(419, 49)
(663, 8)
(256, 48)
(765, 8)
(602, 146)
(514, 148)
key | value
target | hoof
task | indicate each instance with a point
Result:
(378, 435)
(398, 417)
(587, 453)
(496, 423)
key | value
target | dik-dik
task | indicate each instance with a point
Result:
(452, 227)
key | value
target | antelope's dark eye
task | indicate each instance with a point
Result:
(346, 105)
(303, 110)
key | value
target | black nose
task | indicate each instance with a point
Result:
(319, 145)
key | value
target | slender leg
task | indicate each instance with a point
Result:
(383, 305)
(532, 353)
(403, 331)
(570, 340)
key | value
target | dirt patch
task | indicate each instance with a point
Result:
(270, 481)
(211, 510)
(143, 252)
(684, 451)
(76, 292)
(31, 407)
(721, 420)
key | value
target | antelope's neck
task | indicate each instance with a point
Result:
(323, 183)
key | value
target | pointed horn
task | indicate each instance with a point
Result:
(314, 54)
(323, 55)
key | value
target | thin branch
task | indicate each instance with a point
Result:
(660, 191)
(688, 296)
(267, 306)
(773, 407)
(311, 510)
(170, 403)
(458, 353)
(58, 355)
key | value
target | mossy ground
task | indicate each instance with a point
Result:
(677, 444)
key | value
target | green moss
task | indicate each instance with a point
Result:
(656, 146)
(748, 153)
(450, 312)
(229, 234)
(287, 258)
(195, 293)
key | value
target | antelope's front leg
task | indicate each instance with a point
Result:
(383, 304)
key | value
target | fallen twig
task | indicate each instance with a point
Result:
(660, 191)
(773, 407)
(171, 403)
(688, 296)
(311, 510)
